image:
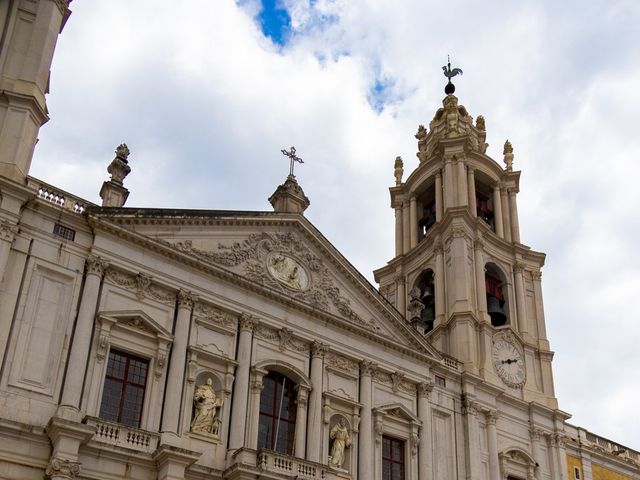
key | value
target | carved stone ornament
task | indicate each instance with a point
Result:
(469, 407)
(491, 416)
(186, 299)
(288, 271)
(398, 170)
(416, 306)
(96, 265)
(142, 285)
(508, 155)
(8, 231)
(424, 389)
(303, 275)
(339, 362)
(247, 322)
(213, 315)
(206, 409)
(62, 468)
(367, 368)
(119, 167)
(414, 441)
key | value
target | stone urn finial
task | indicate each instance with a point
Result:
(113, 193)
(508, 155)
(398, 170)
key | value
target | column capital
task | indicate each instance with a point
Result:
(469, 406)
(303, 394)
(438, 173)
(491, 416)
(537, 275)
(424, 389)
(471, 169)
(518, 267)
(247, 322)
(62, 468)
(536, 433)
(318, 349)
(8, 231)
(438, 248)
(96, 265)
(367, 368)
(478, 244)
(186, 299)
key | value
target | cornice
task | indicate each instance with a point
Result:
(429, 355)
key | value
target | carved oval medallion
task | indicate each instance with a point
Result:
(288, 271)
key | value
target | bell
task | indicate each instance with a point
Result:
(496, 311)
(428, 291)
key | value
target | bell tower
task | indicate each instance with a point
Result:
(28, 34)
(460, 273)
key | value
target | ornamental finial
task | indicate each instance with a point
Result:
(450, 73)
(292, 158)
(508, 155)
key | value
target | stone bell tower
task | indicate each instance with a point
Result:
(28, 34)
(460, 273)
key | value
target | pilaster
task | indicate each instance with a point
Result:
(365, 435)
(314, 415)
(241, 384)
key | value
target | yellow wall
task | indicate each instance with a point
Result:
(574, 462)
(601, 473)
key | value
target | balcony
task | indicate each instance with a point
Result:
(123, 436)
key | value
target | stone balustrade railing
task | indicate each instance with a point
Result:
(293, 467)
(123, 436)
(609, 447)
(57, 197)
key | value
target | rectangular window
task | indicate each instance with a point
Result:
(124, 385)
(441, 381)
(277, 419)
(64, 232)
(576, 473)
(392, 458)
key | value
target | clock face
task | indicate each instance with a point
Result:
(509, 363)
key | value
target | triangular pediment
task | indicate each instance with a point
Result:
(399, 411)
(135, 319)
(282, 254)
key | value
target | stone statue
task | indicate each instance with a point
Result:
(206, 403)
(341, 440)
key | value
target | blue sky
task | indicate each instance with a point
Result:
(206, 108)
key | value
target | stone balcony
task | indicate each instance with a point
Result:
(274, 465)
(119, 435)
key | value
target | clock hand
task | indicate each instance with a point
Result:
(509, 361)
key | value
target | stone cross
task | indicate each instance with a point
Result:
(292, 158)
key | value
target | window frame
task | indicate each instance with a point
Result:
(391, 460)
(289, 447)
(124, 382)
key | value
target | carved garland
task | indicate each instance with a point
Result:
(252, 254)
(142, 285)
(213, 315)
(283, 338)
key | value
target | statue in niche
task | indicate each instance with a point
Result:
(340, 440)
(206, 404)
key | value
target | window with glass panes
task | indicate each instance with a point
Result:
(277, 423)
(124, 385)
(392, 458)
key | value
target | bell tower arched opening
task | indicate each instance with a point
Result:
(426, 284)
(485, 208)
(496, 291)
(426, 205)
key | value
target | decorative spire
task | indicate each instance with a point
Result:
(398, 170)
(289, 197)
(508, 155)
(450, 73)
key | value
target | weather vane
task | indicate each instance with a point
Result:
(292, 158)
(449, 73)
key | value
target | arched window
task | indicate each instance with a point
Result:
(496, 296)
(426, 209)
(277, 422)
(484, 201)
(426, 285)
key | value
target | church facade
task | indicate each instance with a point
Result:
(200, 344)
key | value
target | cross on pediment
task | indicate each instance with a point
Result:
(292, 158)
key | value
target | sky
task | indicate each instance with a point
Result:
(207, 93)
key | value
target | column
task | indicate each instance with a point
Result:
(314, 415)
(463, 195)
(439, 281)
(438, 187)
(399, 249)
(513, 210)
(425, 447)
(537, 292)
(401, 294)
(175, 375)
(254, 408)
(413, 219)
(471, 184)
(470, 412)
(406, 235)
(7, 234)
(481, 294)
(70, 402)
(448, 183)
(301, 426)
(535, 449)
(497, 212)
(559, 440)
(365, 435)
(518, 270)
(506, 217)
(492, 444)
(241, 384)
